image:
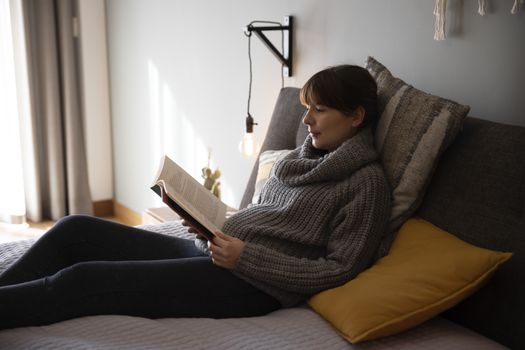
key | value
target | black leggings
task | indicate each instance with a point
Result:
(87, 266)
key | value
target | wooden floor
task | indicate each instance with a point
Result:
(9, 233)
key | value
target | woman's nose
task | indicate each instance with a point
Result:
(307, 118)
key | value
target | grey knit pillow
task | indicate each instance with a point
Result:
(413, 130)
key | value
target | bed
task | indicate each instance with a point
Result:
(293, 328)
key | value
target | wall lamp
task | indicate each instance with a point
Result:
(248, 146)
(286, 57)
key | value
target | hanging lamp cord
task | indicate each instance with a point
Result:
(251, 72)
(249, 35)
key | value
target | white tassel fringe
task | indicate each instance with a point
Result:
(481, 7)
(516, 7)
(439, 12)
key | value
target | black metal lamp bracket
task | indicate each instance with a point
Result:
(286, 58)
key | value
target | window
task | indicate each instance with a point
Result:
(12, 201)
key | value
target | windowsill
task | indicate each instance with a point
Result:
(17, 232)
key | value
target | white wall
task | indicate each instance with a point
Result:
(96, 105)
(179, 71)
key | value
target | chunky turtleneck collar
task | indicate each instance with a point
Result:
(308, 164)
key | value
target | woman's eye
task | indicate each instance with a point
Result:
(316, 108)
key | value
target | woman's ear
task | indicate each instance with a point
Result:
(358, 116)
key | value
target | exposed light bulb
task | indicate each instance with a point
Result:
(248, 145)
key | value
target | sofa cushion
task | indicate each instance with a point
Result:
(413, 130)
(478, 192)
(435, 334)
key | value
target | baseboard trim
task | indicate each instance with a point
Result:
(125, 215)
(104, 208)
(111, 208)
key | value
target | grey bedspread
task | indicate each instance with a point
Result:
(294, 328)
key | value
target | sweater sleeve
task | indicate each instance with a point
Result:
(356, 232)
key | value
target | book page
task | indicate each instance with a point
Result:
(191, 195)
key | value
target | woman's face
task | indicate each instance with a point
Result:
(329, 127)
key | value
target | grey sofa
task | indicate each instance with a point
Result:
(477, 193)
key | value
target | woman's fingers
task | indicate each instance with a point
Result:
(191, 229)
(223, 236)
(225, 250)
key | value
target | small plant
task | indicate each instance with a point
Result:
(211, 178)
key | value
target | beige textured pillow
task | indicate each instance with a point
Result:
(266, 161)
(413, 130)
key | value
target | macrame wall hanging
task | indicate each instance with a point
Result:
(439, 12)
(481, 7)
(516, 7)
(441, 7)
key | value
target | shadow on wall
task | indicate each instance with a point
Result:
(455, 21)
(172, 133)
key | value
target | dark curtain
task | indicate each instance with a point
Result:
(55, 166)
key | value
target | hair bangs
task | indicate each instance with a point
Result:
(308, 95)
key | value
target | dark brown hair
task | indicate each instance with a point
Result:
(344, 88)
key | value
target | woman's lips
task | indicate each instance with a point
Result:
(315, 134)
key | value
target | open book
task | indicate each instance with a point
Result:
(188, 198)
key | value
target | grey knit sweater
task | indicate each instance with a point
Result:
(318, 223)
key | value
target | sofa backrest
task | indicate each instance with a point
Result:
(476, 193)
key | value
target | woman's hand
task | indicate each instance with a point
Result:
(229, 212)
(225, 250)
(192, 229)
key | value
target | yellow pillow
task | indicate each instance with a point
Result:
(426, 272)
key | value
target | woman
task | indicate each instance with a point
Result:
(318, 223)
